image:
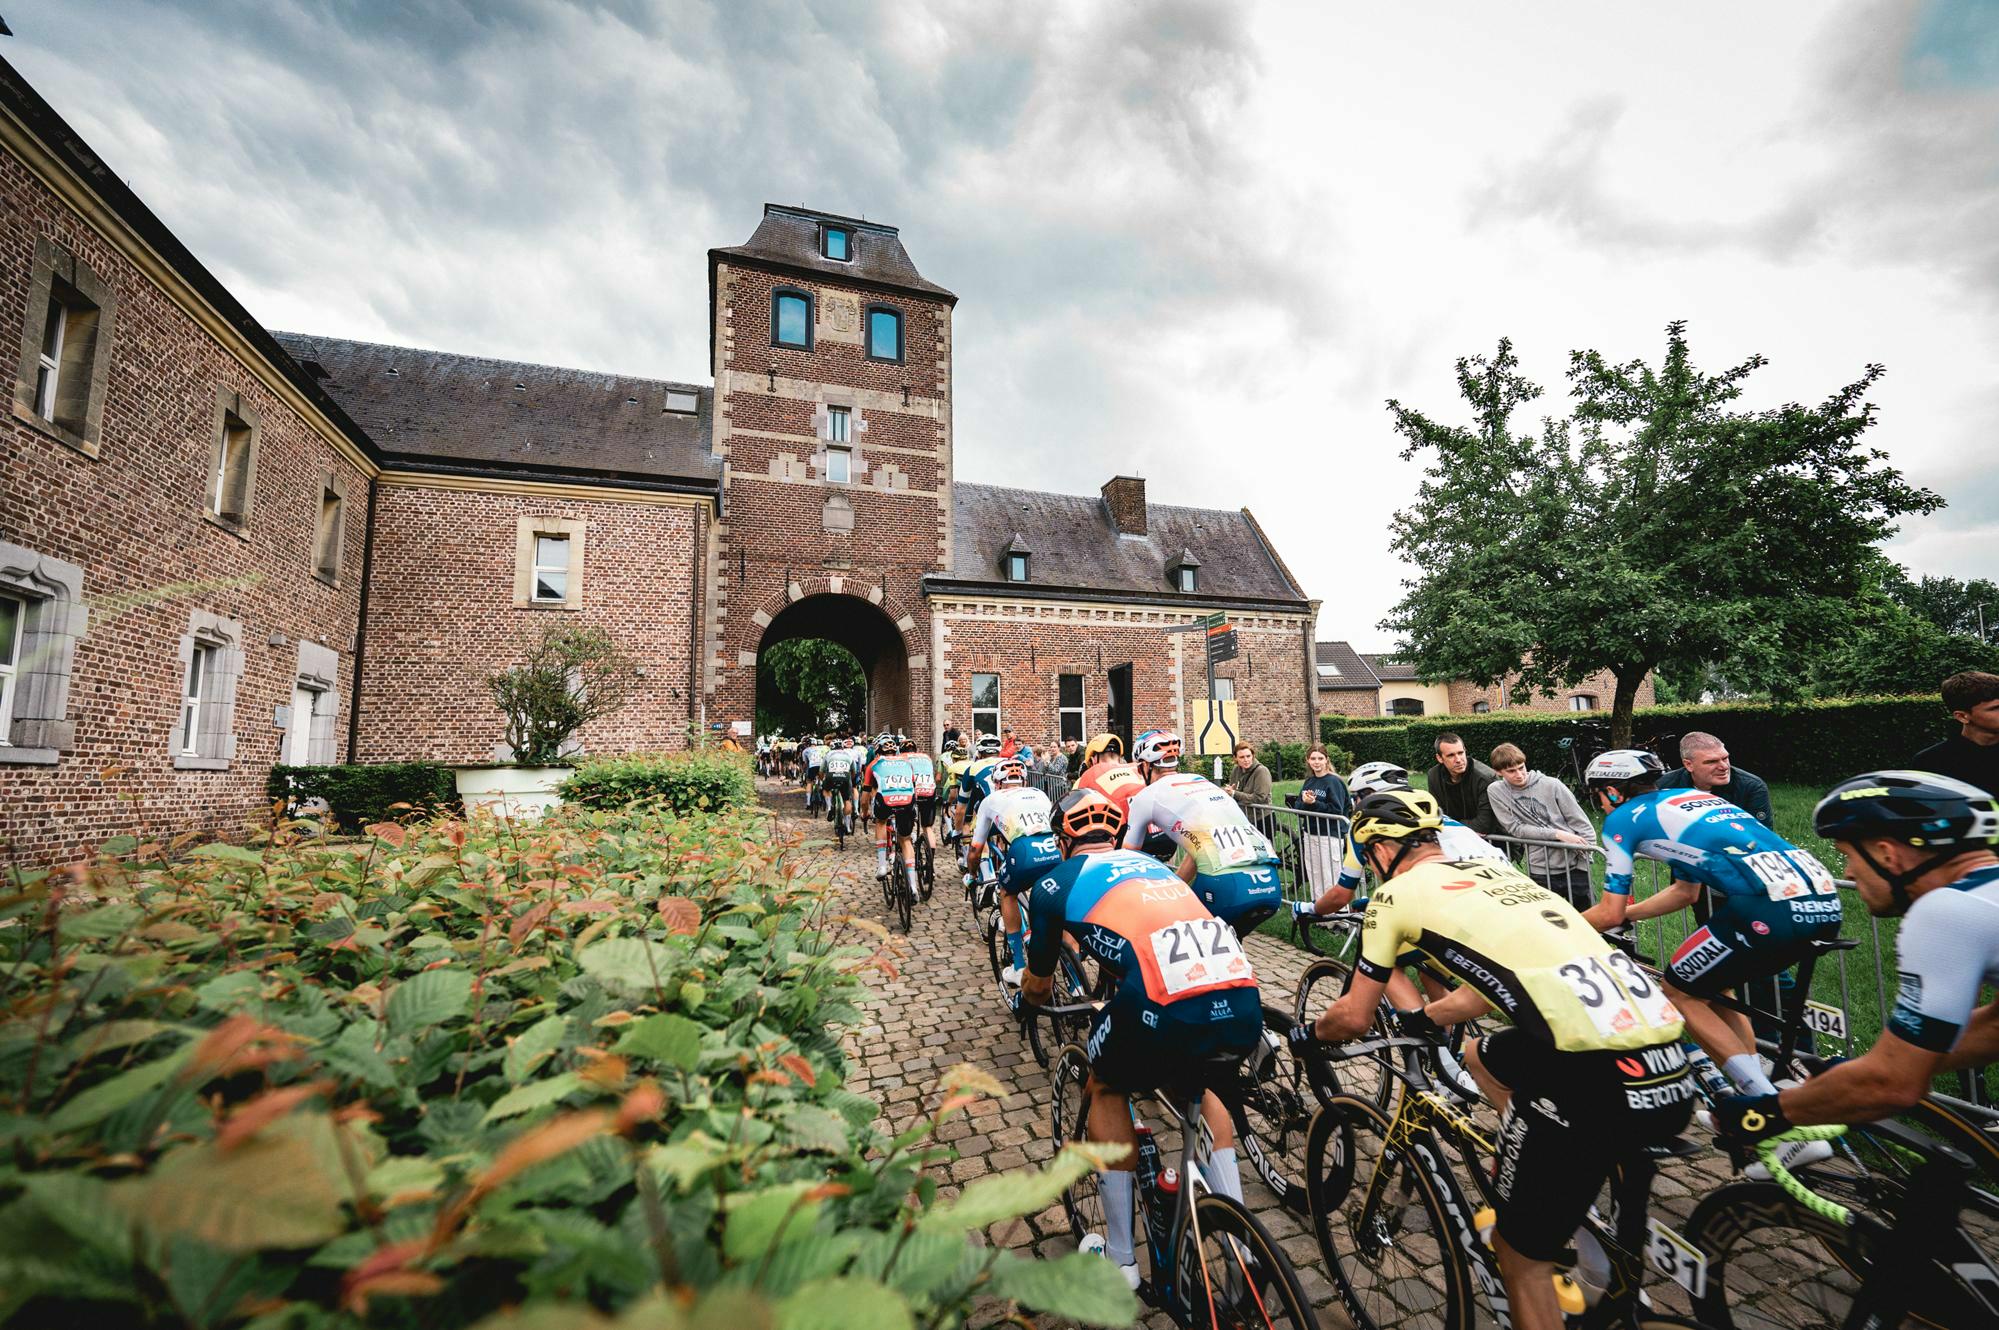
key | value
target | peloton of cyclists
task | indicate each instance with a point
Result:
(1015, 820)
(1227, 861)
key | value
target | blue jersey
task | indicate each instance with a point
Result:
(1148, 930)
(977, 782)
(1706, 839)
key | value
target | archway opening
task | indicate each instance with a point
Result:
(812, 677)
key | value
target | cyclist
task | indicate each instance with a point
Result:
(1019, 816)
(955, 761)
(1920, 845)
(926, 788)
(1771, 899)
(1106, 771)
(814, 755)
(1184, 989)
(892, 782)
(1226, 860)
(977, 780)
(1458, 841)
(1591, 1069)
(1157, 754)
(841, 760)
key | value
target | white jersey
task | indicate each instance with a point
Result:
(1202, 818)
(1015, 812)
(841, 761)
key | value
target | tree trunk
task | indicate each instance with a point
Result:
(1620, 708)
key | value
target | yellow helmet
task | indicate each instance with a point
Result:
(1100, 744)
(1395, 813)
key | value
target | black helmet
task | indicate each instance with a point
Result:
(1623, 769)
(1918, 808)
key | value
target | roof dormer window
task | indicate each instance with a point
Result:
(1184, 573)
(1015, 560)
(836, 243)
(683, 401)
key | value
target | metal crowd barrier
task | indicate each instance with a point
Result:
(1310, 846)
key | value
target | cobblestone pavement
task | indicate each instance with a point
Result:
(939, 1011)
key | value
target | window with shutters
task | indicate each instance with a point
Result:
(42, 615)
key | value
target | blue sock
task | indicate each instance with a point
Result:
(1016, 947)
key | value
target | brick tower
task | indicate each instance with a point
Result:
(832, 364)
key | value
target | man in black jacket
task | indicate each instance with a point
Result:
(1459, 783)
(1972, 754)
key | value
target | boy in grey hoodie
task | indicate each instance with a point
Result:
(1534, 806)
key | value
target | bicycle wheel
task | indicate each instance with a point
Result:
(998, 956)
(926, 865)
(1229, 1272)
(1069, 1113)
(1365, 1078)
(1384, 1231)
(1047, 1035)
(905, 894)
(1272, 1109)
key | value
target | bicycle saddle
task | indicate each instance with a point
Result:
(1191, 1076)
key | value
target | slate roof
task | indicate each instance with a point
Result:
(788, 237)
(1354, 671)
(1387, 667)
(1074, 546)
(431, 408)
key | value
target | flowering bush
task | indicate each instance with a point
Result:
(456, 1070)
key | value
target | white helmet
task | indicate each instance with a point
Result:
(1614, 769)
(1371, 776)
(1010, 771)
(1158, 748)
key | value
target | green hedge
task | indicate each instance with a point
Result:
(684, 782)
(360, 793)
(1807, 742)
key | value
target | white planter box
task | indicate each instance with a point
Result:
(512, 792)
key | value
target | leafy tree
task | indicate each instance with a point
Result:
(1888, 648)
(1951, 605)
(567, 678)
(807, 685)
(1657, 525)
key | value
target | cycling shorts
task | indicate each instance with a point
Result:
(1135, 1043)
(1738, 945)
(1573, 1118)
(1242, 898)
(926, 810)
(841, 781)
(1025, 860)
(903, 817)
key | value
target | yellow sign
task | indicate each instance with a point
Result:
(1215, 727)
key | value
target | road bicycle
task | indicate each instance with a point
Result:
(1404, 1241)
(840, 807)
(926, 864)
(1907, 1259)
(1072, 986)
(1209, 1261)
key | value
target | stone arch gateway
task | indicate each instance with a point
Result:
(863, 628)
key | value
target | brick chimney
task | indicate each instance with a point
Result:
(1125, 497)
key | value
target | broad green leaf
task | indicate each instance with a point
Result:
(844, 1304)
(796, 1262)
(106, 921)
(857, 1109)
(405, 1173)
(430, 866)
(674, 1040)
(630, 965)
(430, 998)
(1010, 1195)
(533, 1095)
(730, 1308)
(226, 992)
(533, 1046)
(110, 1036)
(811, 1127)
(83, 1207)
(916, 1264)
(757, 1218)
(267, 1192)
(685, 1160)
(234, 854)
(352, 1053)
(102, 1100)
(1076, 1287)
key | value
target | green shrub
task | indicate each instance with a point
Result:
(360, 793)
(683, 782)
(580, 1067)
(1285, 760)
(1377, 743)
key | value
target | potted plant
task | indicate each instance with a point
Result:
(567, 677)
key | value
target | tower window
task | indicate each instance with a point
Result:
(884, 333)
(791, 320)
(1582, 702)
(839, 424)
(840, 465)
(551, 568)
(682, 402)
(836, 242)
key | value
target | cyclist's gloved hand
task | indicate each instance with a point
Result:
(1303, 1039)
(1750, 1118)
(1303, 910)
(1416, 1023)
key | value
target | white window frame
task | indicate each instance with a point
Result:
(996, 711)
(48, 362)
(1582, 702)
(1063, 710)
(1329, 671)
(537, 567)
(1224, 689)
(200, 674)
(839, 464)
(10, 667)
(1186, 578)
(682, 402)
(1025, 565)
(840, 425)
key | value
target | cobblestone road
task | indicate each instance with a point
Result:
(939, 1011)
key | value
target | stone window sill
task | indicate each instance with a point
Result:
(240, 530)
(185, 762)
(326, 580)
(49, 429)
(544, 605)
(26, 757)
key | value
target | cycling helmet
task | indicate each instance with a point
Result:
(988, 745)
(1158, 748)
(1628, 771)
(1371, 776)
(1395, 814)
(1918, 808)
(1087, 815)
(886, 744)
(1010, 771)
(1101, 744)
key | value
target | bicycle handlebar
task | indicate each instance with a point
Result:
(1768, 1150)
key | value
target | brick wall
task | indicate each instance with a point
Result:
(1349, 702)
(1601, 687)
(131, 518)
(442, 618)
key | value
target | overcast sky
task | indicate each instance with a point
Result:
(1201, 242)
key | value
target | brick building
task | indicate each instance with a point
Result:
(1351, 683)
(223, 547)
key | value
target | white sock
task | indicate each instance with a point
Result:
(881, 860)
(1222, 1173)
(1116, 1184)
(1746, 1070)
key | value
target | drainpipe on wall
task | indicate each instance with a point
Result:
(361, 624)
(697, 623)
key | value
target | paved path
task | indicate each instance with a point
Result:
(939, 1011)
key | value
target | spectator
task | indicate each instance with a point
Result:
(1250, 781)
(1972, 754)
(1534, 806)
(950, 737)
(1459, 782)
(1008, 744)
(1323, 798)
(1704, 766)
(1073, 753)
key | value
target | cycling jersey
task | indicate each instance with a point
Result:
(840, 763)
(1524, 949)
(977, 781)
(894, 781)
(815, 756)
(1116, 781)
(1948, 946)
(1202, 820)
(926, 774)
(1459, 843)
(1183, 985)
(1020, 817)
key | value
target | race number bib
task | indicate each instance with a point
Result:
(1027, 822)
(1615, 994)
(1235, 846)
(1782, 878)
(1198, 953)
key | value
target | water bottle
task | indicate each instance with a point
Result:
(1169, 1185)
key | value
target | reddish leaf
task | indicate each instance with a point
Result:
(392, 832)
(800, 1068)
(541, 1144)
(644, 1104)
(238, 1044)
(682, 915)
(354, 1294)
(591, 907)
(526, 923)
(262, 1111)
